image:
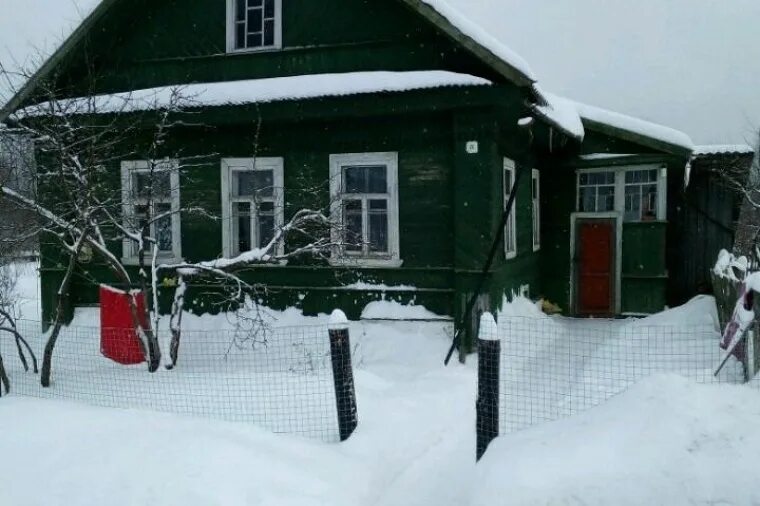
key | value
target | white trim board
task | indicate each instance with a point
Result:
(390, 160)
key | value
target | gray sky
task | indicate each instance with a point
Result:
(690, 64)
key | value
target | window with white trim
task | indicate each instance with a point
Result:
(253, 203)
(641, 195)
(596, 191)
(151, 202)
(364, 191)
(638, 193)
(510, 230)
(254, 25)
(536, 201)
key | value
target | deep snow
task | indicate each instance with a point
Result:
(415, 442)
(666, 441)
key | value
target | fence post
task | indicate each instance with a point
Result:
(487, 405)
(343, 374)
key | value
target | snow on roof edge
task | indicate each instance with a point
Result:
(482, 37)
(723, 149)
(266, 90)
(634, 125)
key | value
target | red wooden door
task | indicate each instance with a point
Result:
(596, 267)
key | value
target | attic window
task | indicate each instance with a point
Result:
(254, 25)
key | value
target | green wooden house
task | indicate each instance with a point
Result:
(422, 124)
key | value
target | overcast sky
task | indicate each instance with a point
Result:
(690, 64)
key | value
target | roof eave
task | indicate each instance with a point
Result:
(635, 137)
(500, 66)
(76, 36)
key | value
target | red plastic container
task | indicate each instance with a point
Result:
(118, 339)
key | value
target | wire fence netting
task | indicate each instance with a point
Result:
(552, 368)
(281, 379)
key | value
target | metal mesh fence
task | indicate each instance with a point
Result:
(282, 381)
(551, 368)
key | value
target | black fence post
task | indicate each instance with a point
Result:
(487, 405)
(343, 374)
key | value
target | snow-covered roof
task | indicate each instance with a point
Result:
(258, 91)
(723, 149)
(571, 116)
(561, 112)
(481, 37)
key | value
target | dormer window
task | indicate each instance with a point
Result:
(254, 25)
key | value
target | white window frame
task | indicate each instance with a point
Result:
(511, 231)
(231, 166)
(662, 188)
(231, 22)
(339, 255)
(535, 182)
(130, 167)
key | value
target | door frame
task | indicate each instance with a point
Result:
(574, 219)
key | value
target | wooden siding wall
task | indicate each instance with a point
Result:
(647, 247)
(706, 218)
(144, 43)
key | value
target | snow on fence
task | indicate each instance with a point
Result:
(543, 369)
(284, 380)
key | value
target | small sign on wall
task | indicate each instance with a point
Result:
(472, 147)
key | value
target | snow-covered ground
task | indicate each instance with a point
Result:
(666, 441)
(415, 444)
(557, 367)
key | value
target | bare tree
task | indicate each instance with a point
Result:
(80, 207)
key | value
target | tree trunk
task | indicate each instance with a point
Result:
(175, 323)
(63, 294)
(4, 382)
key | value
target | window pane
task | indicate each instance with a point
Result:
(378, 179)
(268, 8)
(242, 224)
(509, 235)
(253, 40)
(606, 199)
(259, 183)
(354, 180)
(163, 228)
(507, 183)
(583, 179)
(254, 3)
(255, 19)
(587, 198)
(632, 203)
(269, 32)
(649, 203)
(352, 220)
(266, 229)
(156, 185)
(372, 179)
(240, 35)
(239, 10)
(378, 226)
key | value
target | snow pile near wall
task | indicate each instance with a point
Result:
(699, 311)
(392, 310)
(665, 441)
(520, 306)
(555, 367)
(730, 266)
(260, 91)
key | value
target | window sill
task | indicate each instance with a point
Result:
(373, 263)
(511, 255)
(133, 261)
(267, 49)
